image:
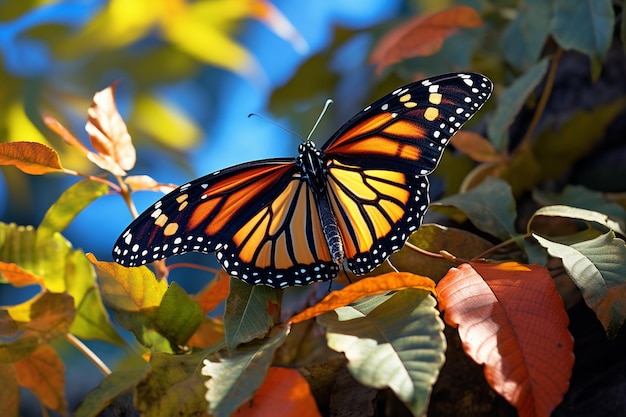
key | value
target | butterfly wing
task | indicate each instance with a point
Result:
(260, 219)
(378, 161)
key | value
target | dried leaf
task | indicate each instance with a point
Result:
(147, 183)
(43, 373)
(107, 129)
(475, 146)
(422, 35)
(56, 126)
(30, 157)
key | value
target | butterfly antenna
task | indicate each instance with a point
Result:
(319, 119)
(275, 124)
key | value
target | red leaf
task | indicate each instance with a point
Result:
(107, 129)
(512, 320)
(30, 157)
(284, 393)
(422, 35)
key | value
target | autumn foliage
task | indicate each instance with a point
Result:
(512, 259)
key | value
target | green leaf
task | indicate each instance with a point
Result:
(111, 387)
(69, 205)
(524, 39)
(92, 321)
(233, 380)
(584, 25)
(578, 214)
(173, 386)
(490, 207)
(178, 316)
(400, 345)
(598, 268)
(582, 197)
(511, 100)
(251, 310)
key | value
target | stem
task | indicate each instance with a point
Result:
(543, 100)
(74, 341)
(423, 251)
(92, 178)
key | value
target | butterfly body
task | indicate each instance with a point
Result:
(284, 222)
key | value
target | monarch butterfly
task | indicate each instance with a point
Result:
(286, 222)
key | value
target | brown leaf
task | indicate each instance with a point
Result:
(422, 35)
(475, 146)
(107, 129)
(30, 157)
(56, 126)
(42, 372)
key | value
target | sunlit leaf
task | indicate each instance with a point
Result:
(490, 207)
(30, 157)
(69, 205)
(399, 344)
(172, 386)
(147, 183)
(584, 25)
(56, 126)
(234, 379)
(42, 372)
(475, 146)
(128, 289)
(107, 130)
(17, 276)
(284, 392)
(598, 268)
(422, 35)
(92, 320)
(511, 100)
(111, 387)
(511, 319)
(364, 288)
(250, 312)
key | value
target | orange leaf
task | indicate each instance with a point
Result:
(364, 288)
(214, 292)
(43, 373)
(475, 146)
(422, 35)
(56, 126)
(17, 276)
(284, 392)
(208, 333)
(512, 320)
(107, 129)
(30, 157)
